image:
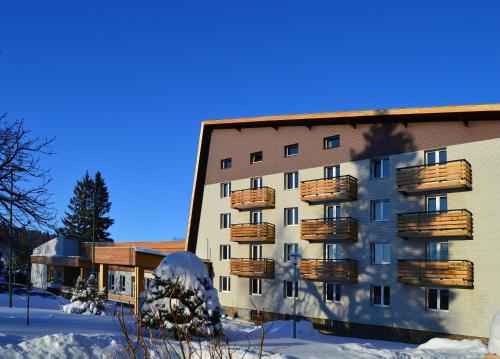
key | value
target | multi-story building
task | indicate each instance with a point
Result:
(394, 213)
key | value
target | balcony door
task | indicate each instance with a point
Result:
(437, 203)
(256, 183)
(256, 251)
(435, 157)
(333, 251)
(332, 172)
(437, 251)
(256, 217)
(332, 212)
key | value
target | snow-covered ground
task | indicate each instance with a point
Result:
(54, 334)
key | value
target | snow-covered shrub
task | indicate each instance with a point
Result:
(87, 298)
(494, 343)
(181, 298)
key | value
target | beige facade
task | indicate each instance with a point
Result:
(470, 309)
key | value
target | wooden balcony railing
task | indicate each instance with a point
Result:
(258, 198)
(448, 176)
(335, 270)
(331, 229)
(255, 268)
(452, 224)
(339, 189)
(248, 232)
(456, 273)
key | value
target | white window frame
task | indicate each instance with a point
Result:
(335, 171)
(382, 296)
(436, 156)
(256, 217)
(252, 157)
(225, 189)
(386, 210)
(223, 163)
(256, 251)
(326, 139)
(335, 208)
(437, 198)
(111, 282)
(256, 182)
(337, 292)
(287, 148)
(259, 286)
(439, 250)
(132, 285)
(295, 289)
(294, 180)
(295, 217)
(386, 249)
(438, 300)
(227, 253)
(223, 222)
(123, 286)
(382, 171)
(225, 284)
(289, 249)
(338, 251)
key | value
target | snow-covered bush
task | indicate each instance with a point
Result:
(87, 298)
(181, 298)
(494, 343)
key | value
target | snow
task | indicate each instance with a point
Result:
(494, 344)
(55, 334)
(150, 251)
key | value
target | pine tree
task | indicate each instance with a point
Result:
(86, 298)
(78, 221)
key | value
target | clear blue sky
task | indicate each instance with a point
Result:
(123, 85)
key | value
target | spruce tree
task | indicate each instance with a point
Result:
(78, 221)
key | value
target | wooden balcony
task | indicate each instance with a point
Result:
(248, 199)
(332, 229)
(339, 189)
(251, 233)
(452, 224)
(329, 270)
(442, 177)
(458, 273)
(252, 268)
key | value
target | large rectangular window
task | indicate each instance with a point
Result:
(381, 296)
(225, 220)
(256, 217)
(331, 142)
(255, 286)
(332, 172)
(292, 180)
(225, 189)
(437, 251)
(291, 216)
(381, 253)
(438, 299)
(332, 292)
(289, 249)
(333, 211)
(225, 284)
(290, 289)
(292, 150)
(380, 168)
(437, 203)
(380, 210)
(435, 157)
(256, 157)
(256, 182)
(226, 163)
(225, 252)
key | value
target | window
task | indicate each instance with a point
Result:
(256, 183)
(380, 210)
(437, 203)
(435, 157)
(132, 289)
(381, 296)
(437, 251)
(333, 251)
(291, 216)
(291, 180)
(225, 252)
(290, 289)
(291, 150)
(226, 163)
(256, 157)
(332, 172)
(332, 292)
(256, 217)
(111, 284)
(380, 168)
(381, 253)
(255, 286)
(331, 142)
(225, 284)
(332, 212)
(122, 283)
(289, 249)
(225, 220)
(438, 299)
(225, 189)
(256, 251)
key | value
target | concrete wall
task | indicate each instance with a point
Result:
(470, 309)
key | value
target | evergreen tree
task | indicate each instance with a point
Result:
(87, 298)
(78, 221)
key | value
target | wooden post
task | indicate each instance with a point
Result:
(103, 277)
(82, 272)
(139, 287)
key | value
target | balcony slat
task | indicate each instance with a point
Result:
(259, 198)
(343, 228)
(339, 189)
(255, 268)
(442, 273)
(452, 223)
(248, 232)
(329, 270)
